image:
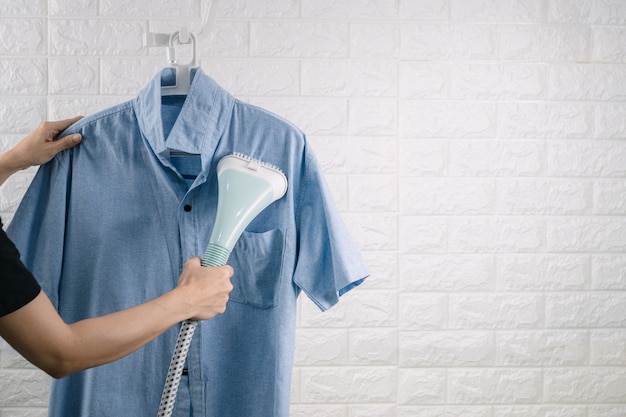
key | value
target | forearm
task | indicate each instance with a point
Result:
(7, 167)
(38, 333)
(107, 338)
(201, 293)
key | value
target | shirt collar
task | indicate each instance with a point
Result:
(200, 124)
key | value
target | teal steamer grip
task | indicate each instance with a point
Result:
(245, 188)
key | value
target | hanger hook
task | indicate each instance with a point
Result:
(177, 38)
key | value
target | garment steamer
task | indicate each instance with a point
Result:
(245, 188)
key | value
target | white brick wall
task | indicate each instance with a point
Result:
(477, 149)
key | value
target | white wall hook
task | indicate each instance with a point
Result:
(183, 35)
(154, 39)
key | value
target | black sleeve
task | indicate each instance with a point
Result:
(18, 287)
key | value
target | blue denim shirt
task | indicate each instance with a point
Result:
(109, 224)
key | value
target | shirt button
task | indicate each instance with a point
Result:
(187, 207)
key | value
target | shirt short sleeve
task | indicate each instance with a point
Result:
(18, 287)
(328, 261)
(38, 227)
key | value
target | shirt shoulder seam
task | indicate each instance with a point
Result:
(94, 117)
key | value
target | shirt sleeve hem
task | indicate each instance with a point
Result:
(329, 300)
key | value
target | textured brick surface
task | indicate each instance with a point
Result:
(476, 149)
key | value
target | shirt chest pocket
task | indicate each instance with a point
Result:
(257, 259)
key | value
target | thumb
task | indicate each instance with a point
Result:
(66, 142)
(195, 261)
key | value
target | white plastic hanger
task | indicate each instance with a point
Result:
(183, 71)
(182, 37)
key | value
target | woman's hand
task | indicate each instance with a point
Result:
(204, 289)
(38, 147)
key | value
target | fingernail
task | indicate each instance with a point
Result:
(76, 137)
